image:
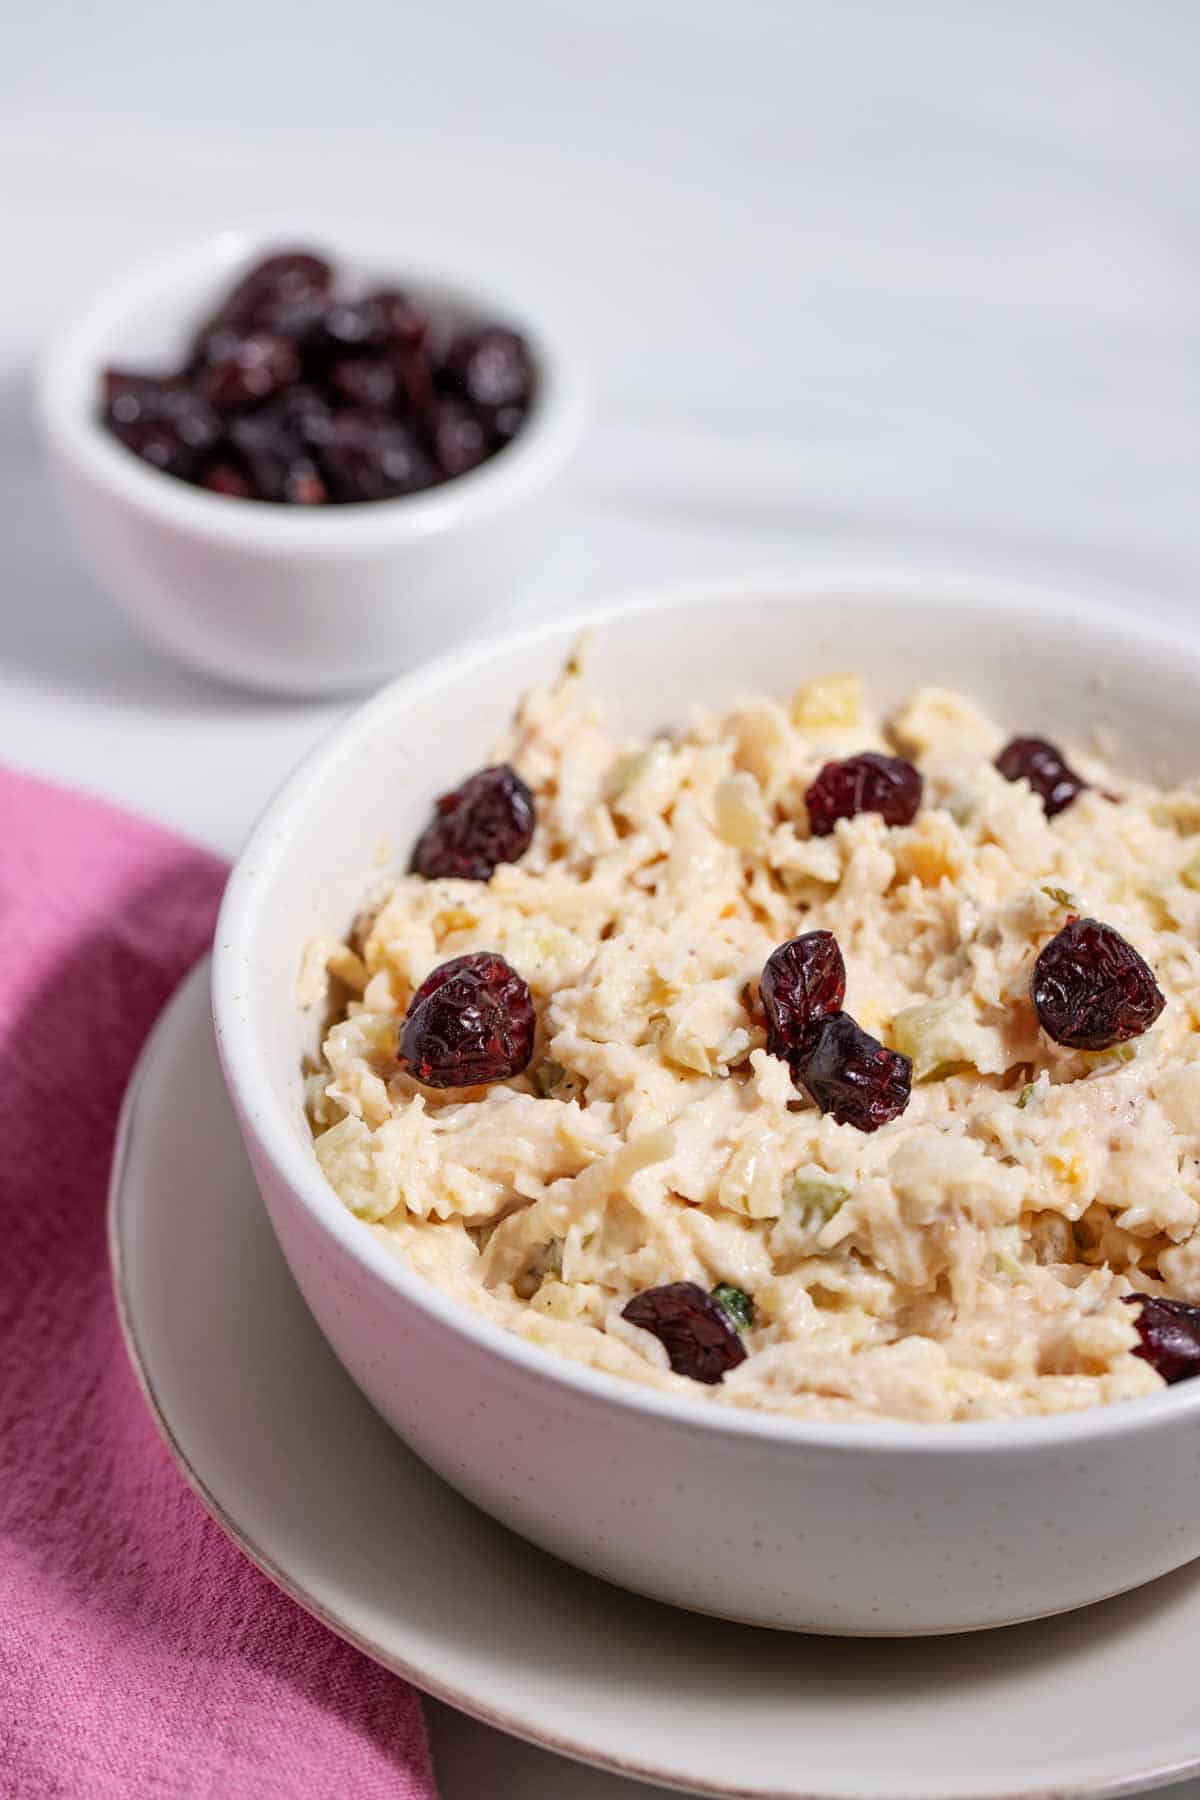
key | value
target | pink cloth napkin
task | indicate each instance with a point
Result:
(140, 1653)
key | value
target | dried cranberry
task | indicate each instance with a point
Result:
(1170, 1334)
(277, 283)
(459, 441)
(217, 340)
(292, 394)
(226, 478)
(275, 452)
(416, 389)
(505, 423)
(470, 1022)
(1041, 764)
(868, 783)
(351, 326)
(401, 321)
(853, 1076)
(384, 322)
(303, 485)
(304, 411)
(486, 821)
(490, 367)
(161, 420)
(1091, 989)
(273, 295)
(370, 382)
(694, 1329)
(251, 371)
(803, 982)
(369, 456)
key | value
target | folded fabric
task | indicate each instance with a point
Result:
(140, 1653)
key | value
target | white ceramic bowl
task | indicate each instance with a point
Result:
(873, 1528)
(282, 598)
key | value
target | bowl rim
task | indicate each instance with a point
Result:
(268, 1119)
(69, 368)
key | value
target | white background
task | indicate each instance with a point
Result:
(856, 280)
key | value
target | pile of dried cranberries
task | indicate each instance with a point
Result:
(846, 1071)
(294, 393)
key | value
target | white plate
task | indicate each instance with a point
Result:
(299, 1470)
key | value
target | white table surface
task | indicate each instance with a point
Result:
(857, 281)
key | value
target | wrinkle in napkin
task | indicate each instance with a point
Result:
(140, 1653)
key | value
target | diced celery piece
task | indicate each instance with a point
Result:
(937, 1035)
(736, 1302)
(1007, 1253)
(546, 1077)
(817, 1197)
(630, 769)
(1107, 1059)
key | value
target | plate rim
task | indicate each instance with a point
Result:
(197, 981)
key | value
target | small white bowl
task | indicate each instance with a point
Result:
(865, 1529)
(289, 599)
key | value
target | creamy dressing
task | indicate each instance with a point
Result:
(965, 1261)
